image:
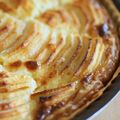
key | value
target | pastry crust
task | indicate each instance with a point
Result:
(56, 56)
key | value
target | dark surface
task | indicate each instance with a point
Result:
(104, 99)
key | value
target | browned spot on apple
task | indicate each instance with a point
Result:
(16, 64)
(52, 47)
(3, 75)
(5, 7)
(31, 65)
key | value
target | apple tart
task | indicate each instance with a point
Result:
(56, 57)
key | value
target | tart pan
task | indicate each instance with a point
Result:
(109, 93)
(114, 85)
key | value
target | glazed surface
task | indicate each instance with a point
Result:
(56, 57)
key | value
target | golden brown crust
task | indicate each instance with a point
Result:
(57, 60)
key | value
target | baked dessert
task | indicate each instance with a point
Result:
(56, 57)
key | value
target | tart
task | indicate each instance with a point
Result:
(56, 57)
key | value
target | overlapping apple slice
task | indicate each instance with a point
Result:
(15, 91)
(10, 30)
(25, 9)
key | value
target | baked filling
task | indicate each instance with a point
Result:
(56, 57)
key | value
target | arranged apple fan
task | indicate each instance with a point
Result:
(56, 57)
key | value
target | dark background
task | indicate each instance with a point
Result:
(117, 3)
